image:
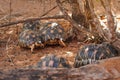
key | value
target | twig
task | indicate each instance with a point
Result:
(50, 10)
(102, 3)
(3, 41)
(8, 52)
(10, 12)
(32, 19)
(16, 14)
(95, 19)
(1, 9)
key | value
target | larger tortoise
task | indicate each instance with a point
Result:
(93, 52)
(29, 35)
(52, 33)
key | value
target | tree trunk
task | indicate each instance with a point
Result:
(77, 14)
(79, 17)
(110, 20)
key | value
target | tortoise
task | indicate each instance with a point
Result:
(52, 61)
(52, 33)
(93, 52)
(29, 37)
(31, 25)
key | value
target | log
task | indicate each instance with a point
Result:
(89, 72)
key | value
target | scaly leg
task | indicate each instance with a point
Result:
(42, 45)
(39, 44)
(32, 47)
(62, 43)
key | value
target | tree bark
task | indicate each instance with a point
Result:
(110, 20)
(77, 14)
(55, 74)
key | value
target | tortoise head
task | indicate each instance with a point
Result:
(54, 24)
(39, 42)
(31, 25)
(64, 63)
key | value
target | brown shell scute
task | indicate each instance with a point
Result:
(27, 38)
(91, 53)
(53, 33)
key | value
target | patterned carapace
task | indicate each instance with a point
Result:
(52, 61)
(52, 33)
(29, 35)
(91, 53)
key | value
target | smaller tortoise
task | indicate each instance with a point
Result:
(52, 61)
(91, 53)
(52, 33)
(29, 36)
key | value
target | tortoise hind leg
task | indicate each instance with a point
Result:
(40, 45)
(62, 43)
(32, 47)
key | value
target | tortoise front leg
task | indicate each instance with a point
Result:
(62, 43)
(32, 47)
(40, 44)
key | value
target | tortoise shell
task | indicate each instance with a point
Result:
(52, 61)
(93, 52)
(52, 33)
(29, 39)
(29, 36)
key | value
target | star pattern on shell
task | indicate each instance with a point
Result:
(52, 33)
(93, 52)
